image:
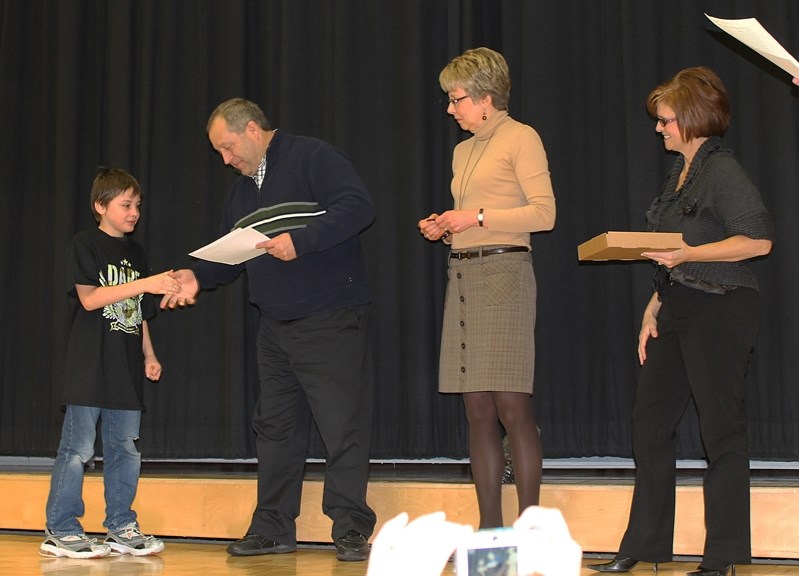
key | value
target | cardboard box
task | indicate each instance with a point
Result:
(628, 245)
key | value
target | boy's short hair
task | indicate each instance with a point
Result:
(110, 183)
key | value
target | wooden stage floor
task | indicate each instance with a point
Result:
(19, 557)
(199, 508)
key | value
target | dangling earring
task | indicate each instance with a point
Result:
(484, 114)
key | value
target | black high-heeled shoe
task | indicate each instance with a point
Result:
(702, 571)
(617, 565)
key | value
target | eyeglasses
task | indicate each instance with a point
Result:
(456, 101)
(665, 121)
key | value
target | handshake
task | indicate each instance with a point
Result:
(178, 287)
(539, 544)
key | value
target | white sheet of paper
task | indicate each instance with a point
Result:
(751, 32)
(235, 247)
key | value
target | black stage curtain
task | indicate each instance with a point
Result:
(126, 83)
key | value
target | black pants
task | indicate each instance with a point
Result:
(321, 368)
(703, 349)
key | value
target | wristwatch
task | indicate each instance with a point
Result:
(480, 217)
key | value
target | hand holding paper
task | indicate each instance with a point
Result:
(280, 247)
(234, 247)
(751, 32)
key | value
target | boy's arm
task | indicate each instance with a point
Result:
(94, 297)
(152, 367)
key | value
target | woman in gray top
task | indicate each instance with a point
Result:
(698, 330)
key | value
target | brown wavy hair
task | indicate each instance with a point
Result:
(699, 100)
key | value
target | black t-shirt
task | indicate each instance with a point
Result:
(105, 364)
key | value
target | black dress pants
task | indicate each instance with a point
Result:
(316, 368)
(702, 351)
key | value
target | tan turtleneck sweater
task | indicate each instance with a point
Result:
(502, 169)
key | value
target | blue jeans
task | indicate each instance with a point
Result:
(121, 467)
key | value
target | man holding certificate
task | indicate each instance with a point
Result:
(310, 286)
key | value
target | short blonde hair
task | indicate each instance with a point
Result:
(481, 72)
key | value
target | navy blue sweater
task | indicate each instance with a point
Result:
(329, 271)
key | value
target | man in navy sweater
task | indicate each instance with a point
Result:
(310, 287)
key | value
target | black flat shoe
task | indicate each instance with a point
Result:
(352, 547)
(616, 565)
(256, 545)
(728, 569)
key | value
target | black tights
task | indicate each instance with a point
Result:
(514, 410)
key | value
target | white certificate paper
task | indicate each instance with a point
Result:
(751, 32)
(234, 247)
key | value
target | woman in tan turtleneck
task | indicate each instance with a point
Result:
(502, 192)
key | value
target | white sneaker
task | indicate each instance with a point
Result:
(130, 540)
(73, 546)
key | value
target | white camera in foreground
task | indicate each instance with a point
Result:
(497, 552)
(538, 544)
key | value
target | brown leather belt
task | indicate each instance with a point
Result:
(486, 252)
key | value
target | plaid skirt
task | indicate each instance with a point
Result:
(488, 335)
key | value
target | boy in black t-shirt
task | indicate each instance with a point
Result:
(109, 353)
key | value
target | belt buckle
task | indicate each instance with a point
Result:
(461, 255)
